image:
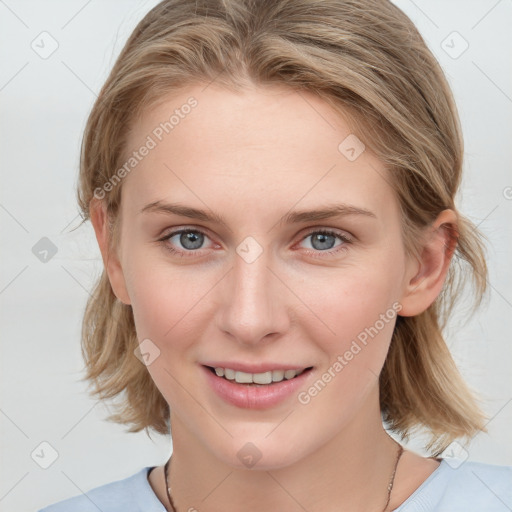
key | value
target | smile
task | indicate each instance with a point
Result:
(255, 390)
(264, 378)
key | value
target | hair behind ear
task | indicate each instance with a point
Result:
(422, 387)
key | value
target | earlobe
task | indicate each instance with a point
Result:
(426, 282)
(99, 221)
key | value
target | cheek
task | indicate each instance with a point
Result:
(166, 304)
(360, 311)
(166, 299)
(350, 300)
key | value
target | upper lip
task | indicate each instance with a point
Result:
(254, 367)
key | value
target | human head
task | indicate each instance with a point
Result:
(368, 62)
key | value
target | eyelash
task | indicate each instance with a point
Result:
(313, 253)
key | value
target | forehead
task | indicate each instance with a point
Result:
(265, 147)
(212, 117)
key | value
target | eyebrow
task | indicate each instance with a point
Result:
(293, 217)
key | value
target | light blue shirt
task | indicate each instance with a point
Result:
(455, 486)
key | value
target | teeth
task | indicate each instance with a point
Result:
(277, 375)
(262, 378)
(257, 378)
(243, 378)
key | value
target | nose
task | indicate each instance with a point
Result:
(253, 306)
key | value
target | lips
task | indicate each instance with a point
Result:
(253, 395)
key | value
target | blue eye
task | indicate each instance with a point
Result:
(192, 240)
(322, 242)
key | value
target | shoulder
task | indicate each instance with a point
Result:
(131, 494)
(485, 480)
(464, 486)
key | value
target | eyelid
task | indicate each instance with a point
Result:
(314, 229)
(344, 236)
(185, 229)
(334, 231)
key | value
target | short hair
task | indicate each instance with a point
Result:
(368, 61)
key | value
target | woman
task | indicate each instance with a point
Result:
(272, 189)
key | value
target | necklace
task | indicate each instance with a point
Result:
(390, 485)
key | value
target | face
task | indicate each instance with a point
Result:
(250, 284)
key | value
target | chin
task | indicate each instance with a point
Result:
(256, 453)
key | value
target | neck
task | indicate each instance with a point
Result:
(350, 472)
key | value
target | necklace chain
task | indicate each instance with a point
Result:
(389, 488)
(167, 486)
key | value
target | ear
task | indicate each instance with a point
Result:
(427, 275)
(99, 220)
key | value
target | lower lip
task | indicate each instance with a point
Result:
(253, 396)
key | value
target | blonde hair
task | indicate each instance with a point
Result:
(369, 62)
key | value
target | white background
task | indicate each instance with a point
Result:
(44, 106)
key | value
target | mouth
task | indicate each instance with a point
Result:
(251, 385)
(264, 379)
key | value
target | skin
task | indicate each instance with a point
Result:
(252, 157)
